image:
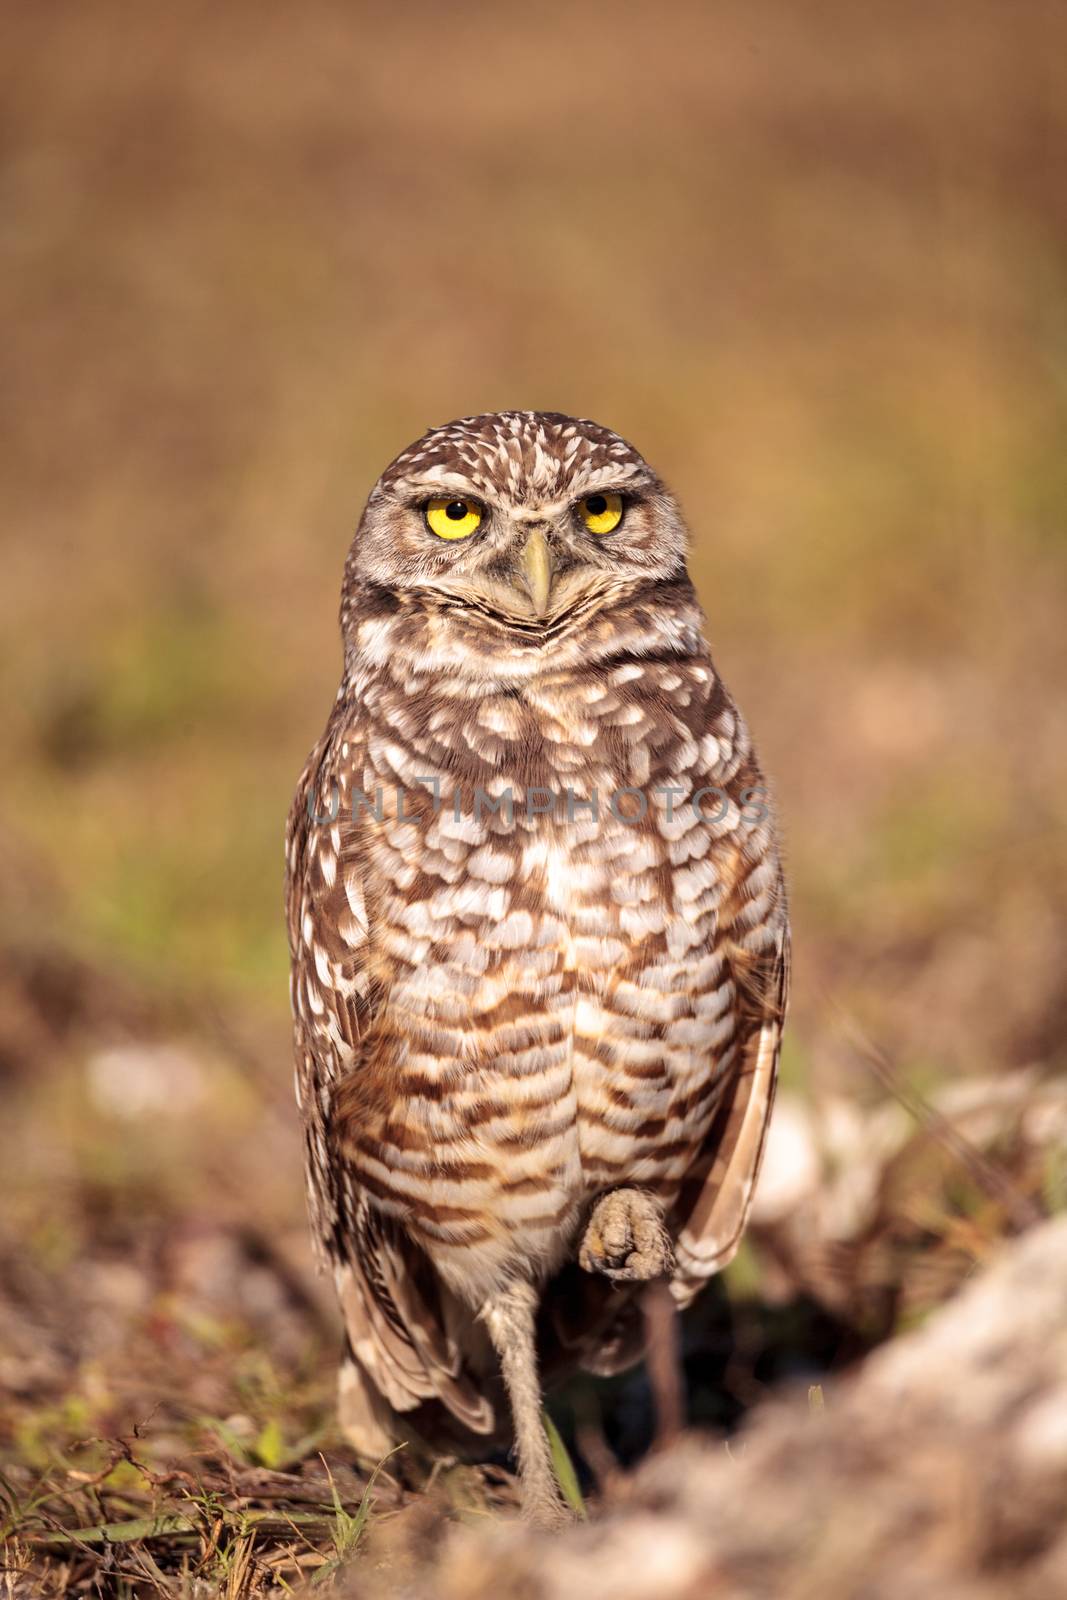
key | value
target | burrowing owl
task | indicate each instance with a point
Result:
(538, 930)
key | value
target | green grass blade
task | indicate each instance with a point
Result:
(118, 1532)
(563, 1467)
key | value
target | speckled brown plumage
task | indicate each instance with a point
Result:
(506, 1006)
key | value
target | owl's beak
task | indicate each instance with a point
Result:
(536, 568)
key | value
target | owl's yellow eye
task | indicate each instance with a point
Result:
(453, 519)
(601, 513)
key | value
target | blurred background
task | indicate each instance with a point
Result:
(812, 260)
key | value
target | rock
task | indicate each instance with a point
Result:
(939, 1471)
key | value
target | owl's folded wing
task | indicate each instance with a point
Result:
(403, 1346)
(718, 1192)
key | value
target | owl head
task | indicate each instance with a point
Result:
(523, 518)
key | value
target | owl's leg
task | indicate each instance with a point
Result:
(367, 1420)
(509, 1317)
(626, 1239)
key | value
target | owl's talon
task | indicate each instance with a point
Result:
(626, 1239)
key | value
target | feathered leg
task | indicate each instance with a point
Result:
(509, 1317)
(367, 1421)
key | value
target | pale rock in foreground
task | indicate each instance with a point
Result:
(939, 1470)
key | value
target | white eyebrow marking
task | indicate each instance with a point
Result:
(441, 474)
(551, 508)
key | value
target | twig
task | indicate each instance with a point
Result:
(992, 1179)
(664, 1362)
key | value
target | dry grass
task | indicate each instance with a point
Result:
(814, 261)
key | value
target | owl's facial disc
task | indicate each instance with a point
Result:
(528, 561)
(525, 520)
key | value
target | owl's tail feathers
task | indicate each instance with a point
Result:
(399, 1353)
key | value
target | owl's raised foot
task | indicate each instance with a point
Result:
(626, 1239)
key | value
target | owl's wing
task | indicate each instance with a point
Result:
(404, 1333)
(596, 1325)
(718, 1191)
